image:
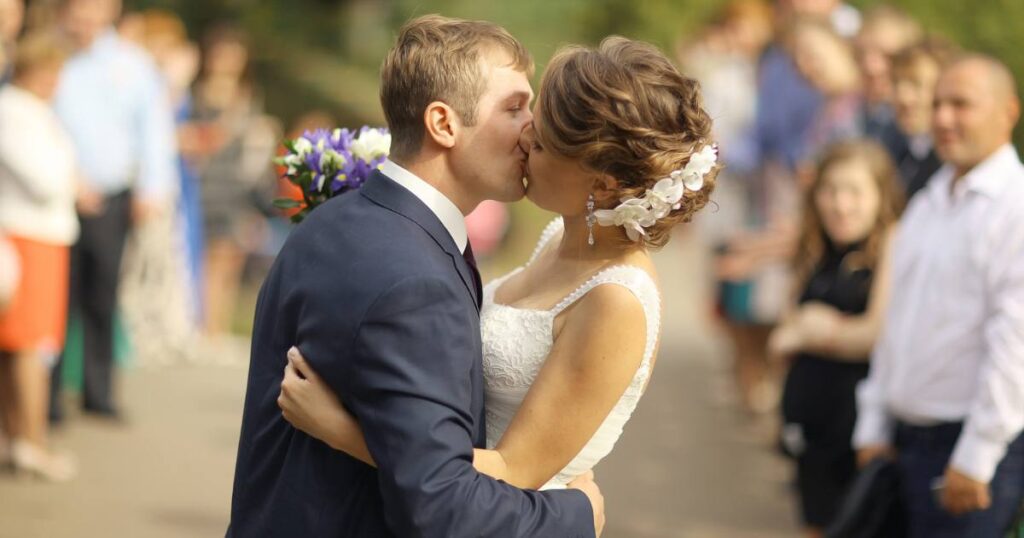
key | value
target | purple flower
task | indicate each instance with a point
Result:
(330, 162)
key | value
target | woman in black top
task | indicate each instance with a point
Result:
(840, 266)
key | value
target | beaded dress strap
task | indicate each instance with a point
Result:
(635, 280)
(550, 231)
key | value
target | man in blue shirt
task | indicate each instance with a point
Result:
(113, 103)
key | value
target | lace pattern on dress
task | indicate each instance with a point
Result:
(517, 341)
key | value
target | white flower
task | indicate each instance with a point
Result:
(633, 215)
(665, 196)
(699, 165)
(371, 144)
(331, 158)
(703, 161)
(302, 147)
(293, 162)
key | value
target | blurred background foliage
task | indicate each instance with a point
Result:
(324, 54)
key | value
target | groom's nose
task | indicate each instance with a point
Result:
(526, 138)
(528, 116)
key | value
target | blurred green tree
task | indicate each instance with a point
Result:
(325, 53)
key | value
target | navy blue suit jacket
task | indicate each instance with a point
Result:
(380, 301)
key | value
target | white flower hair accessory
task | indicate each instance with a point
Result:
(635, 214)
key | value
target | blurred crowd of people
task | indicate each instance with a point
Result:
(136, 182)
(883, 337)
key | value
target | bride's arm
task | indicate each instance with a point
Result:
(593, 360)
(310, 405)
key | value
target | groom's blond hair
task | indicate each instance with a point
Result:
(438, 59)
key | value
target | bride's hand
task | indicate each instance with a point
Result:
(311, 406)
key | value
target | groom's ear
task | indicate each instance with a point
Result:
(441, 124)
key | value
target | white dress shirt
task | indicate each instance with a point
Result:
(37, 170)
(952, 346)
(447, 212)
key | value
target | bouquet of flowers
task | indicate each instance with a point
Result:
(324, 164)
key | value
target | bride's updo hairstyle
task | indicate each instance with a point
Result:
(624, 110)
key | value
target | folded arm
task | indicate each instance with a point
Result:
(823, 329)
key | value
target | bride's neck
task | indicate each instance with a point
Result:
(610, 242)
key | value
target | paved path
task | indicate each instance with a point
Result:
(688, 465)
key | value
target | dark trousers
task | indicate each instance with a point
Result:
(95, 273)
(924, 454)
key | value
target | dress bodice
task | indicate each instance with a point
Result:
(517, 341)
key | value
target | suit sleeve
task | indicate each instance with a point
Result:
(410, 387)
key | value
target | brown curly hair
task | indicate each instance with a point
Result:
(624, 110)
(811, 245)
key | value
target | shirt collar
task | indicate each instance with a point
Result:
(103, 41)
(447, 212)
(989, 177)
(920, 146)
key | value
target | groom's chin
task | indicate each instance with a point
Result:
(515, 192)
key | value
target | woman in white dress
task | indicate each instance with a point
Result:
(620, 148)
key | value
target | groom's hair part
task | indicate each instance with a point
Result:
(438, 59)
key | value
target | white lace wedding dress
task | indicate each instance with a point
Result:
(516, 342)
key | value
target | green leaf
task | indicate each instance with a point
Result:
(286, 203)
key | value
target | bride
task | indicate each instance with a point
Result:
(620, 148)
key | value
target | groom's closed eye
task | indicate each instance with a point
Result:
(517, 102)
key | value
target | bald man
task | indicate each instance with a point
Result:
(945, 395)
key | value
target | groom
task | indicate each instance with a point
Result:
(381, 292)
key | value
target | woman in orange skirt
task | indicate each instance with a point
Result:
(37, 215)
(36, 317)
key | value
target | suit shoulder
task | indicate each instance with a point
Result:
(356, 239)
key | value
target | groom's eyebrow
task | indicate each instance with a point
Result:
(525, 97)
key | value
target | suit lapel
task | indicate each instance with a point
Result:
(384, 192)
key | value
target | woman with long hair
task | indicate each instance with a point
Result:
(840, 268)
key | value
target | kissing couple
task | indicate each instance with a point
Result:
(390, 393)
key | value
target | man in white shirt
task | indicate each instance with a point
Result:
(946, 390)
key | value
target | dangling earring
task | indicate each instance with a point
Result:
(590, 219)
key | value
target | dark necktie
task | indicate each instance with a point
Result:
(471, 262)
